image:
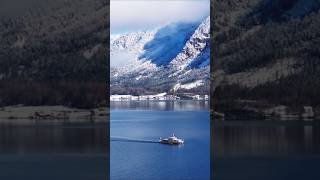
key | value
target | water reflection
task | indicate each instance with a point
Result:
(53, 138)
(266, 138)
(266, 150)
(183, 105)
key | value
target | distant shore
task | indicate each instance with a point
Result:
(259, 110)
(53, 113)
(157, 100)
(157, 97)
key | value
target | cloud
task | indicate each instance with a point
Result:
(132, 15)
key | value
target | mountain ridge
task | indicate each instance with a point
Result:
(164, 59)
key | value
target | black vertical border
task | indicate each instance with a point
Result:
(107, 27)
(212, 2)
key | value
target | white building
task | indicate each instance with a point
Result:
(160, 97)
(200, 97)
(120, 97)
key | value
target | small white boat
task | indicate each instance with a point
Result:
(173, 140)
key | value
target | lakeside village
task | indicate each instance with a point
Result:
(158, 97)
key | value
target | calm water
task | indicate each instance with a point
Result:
(266, 150)
(53, 150)
(136, 128)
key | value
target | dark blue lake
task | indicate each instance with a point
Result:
(135, 131)
(266, 150)
(53, 150)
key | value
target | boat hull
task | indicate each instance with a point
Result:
(171, 143)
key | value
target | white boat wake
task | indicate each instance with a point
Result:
(125, 139)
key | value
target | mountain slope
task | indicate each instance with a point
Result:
(175, 54)
(167, 43)
(282, 10)
(53, 52)
(267, 51)
(36, 40)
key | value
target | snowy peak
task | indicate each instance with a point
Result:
(178, 53)
(197, 49)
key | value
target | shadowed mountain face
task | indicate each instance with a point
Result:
(282, 10)
(167, 43)
(54, 42)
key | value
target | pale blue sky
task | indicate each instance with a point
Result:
(133, 15)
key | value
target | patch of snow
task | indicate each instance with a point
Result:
(139, 77)
(192, 85)
(188, 85)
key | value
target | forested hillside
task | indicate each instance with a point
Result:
(266, 51)
(54, 53)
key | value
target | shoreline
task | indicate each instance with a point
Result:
(251, 110)
(177, 100)
(52, 113)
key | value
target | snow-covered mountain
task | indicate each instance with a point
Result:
(162, 59)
